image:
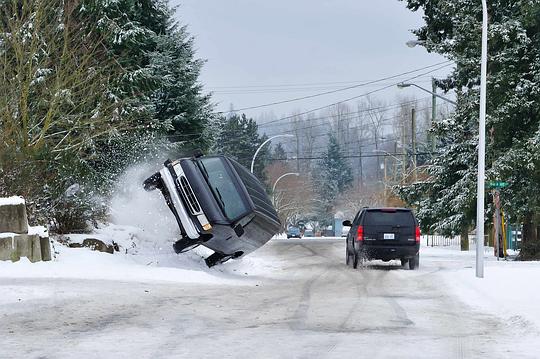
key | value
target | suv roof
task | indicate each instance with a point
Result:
(389, 209)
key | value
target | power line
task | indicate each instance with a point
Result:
(351, 98)
(348, 116)
(382, 122)
(385, 108)
(196, 135)
(271, 90)
(293, 84)
(352, 156)
(339, 90)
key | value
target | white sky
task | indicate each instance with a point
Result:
(295, 48)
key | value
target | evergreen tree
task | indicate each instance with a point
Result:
(279, 152)
(89, 87)
(513, 121)
(332, 177)
(239, 139)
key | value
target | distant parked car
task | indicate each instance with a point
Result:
(218, 204)
(308, 233)
(293, 232)
(383, 233)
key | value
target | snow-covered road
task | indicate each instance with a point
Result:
(307, 304)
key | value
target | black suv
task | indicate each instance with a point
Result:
(217, 203)
(383, 233)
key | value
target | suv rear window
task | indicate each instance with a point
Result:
(384, 218)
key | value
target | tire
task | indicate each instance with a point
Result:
(153, 182)
(355, 260)
(347, 256)
(414, 262)
(404, 261)
(217, 258)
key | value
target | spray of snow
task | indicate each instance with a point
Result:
(147, 211)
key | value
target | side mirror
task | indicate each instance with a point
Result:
(347, 223)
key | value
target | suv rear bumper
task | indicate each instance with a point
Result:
(389, 252)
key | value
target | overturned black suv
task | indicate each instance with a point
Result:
(218, 204)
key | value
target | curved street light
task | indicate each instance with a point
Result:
(386, 153)
(262, 145)
(413, 43)
(403, 85)
(279, 178)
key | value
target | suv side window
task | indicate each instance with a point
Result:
(358, 217)
(355, 220)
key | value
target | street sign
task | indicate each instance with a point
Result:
(497, 184)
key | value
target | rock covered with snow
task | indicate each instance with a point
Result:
(12, 201)
(17, 239)
(13, 217)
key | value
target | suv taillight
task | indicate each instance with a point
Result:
(417, 235)
(360, 233)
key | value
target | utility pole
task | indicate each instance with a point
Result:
(378, 159)
(385, 181)
(481, 148)
(413, 142)
(497, 221)
(432, 136)
(297, 151)
(361, 177)
(404, 162)
(394, 173)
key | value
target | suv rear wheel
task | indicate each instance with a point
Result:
(414, 262)
(404, 261)
(355, 260)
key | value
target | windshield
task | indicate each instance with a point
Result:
(223, 187)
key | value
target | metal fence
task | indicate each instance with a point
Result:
(434, 240)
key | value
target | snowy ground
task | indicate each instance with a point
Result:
(290, 299)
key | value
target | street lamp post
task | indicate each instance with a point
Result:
(279, 178)
(262, 145)
(481, 150)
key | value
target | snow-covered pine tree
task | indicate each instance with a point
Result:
(453, 29)
(279, 152)
(239, 139)
(332, 176)
(159, 89)
(179, 101)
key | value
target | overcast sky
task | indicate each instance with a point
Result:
(260, 52)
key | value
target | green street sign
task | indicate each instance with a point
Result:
(497, 184)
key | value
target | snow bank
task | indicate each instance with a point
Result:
(11, 201)
(509, 288)
(81, 263)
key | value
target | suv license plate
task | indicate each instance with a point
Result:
(389, 236)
